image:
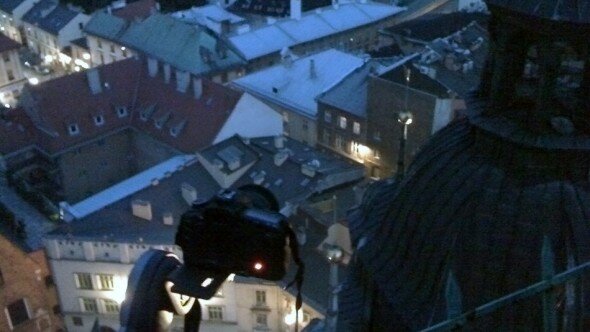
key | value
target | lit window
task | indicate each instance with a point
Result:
(215, 312)
(99, 120)
(73, 129)
(342, 122)
(260, 297)
(106, 281)
(327, 116)
(110, 306)
(219, 292)
(88, 305)
(17, 313)
(285, 117)
(83, 280)
(356, 128)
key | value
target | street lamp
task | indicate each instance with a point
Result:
(405, 119)
(334, 254)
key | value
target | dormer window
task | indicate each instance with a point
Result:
(122, 111)
(73, 129)
(99, 120)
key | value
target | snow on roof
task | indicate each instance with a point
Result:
(312, 25)
(202, 15)
(127, 187)
(293, 85)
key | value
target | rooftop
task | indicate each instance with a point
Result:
(8, 6)
(210, 16)
(106, 26)
(350, 94)
(137, 10)
(564, 10)
(49, 16)
(126, 92)
(184, 46)
(287, 32)
(421, 29)
(108, 216)
(296, 85)
(279, 8)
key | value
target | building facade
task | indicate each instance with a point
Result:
(27, 293)
(50, 27)
(11, 13)
(12, 78)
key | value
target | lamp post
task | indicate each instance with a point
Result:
(405, 119)
(334, 255)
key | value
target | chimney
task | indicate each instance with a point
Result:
(312, 72)
(183, 78)
(279, 142)
(142, 209)
(152, 67)
(280, 158)
(109, 10)
(166, 73)
(167, 218)
(296, 9)
(224, 27)
(198, 87)
(94, 81)
(189, 193)
(259, 178)
(335, 4)
(234, 164)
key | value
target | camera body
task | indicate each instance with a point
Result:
(237, 231)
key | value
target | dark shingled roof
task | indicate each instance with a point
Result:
(446, 24)
(577, 11)
(49, 16)
(278, 8)
(479, 206)
(9, 5)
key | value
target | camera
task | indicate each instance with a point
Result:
(237, 231)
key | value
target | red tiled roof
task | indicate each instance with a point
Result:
(68, 100)
(139, 9)
(16, 131)
(7, 44)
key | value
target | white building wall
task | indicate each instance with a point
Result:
(104, 51)
(251, 118)
(10, 88)
(443, 114)
(12, 22)
(72, 30)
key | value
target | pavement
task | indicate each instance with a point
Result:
(36, 224)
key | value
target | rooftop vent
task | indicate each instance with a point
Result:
(232, 156)
(142, 209)
(279, 142)
(94, 81)
(152, 67)
(259, 178)
(167, 218)
(280, 158)
(189, 193)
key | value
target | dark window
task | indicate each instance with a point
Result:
(6, 57)
(17, 312)
(1, 279)
(48, 281)
(56, 309)
(77, 320)
(10, 75)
